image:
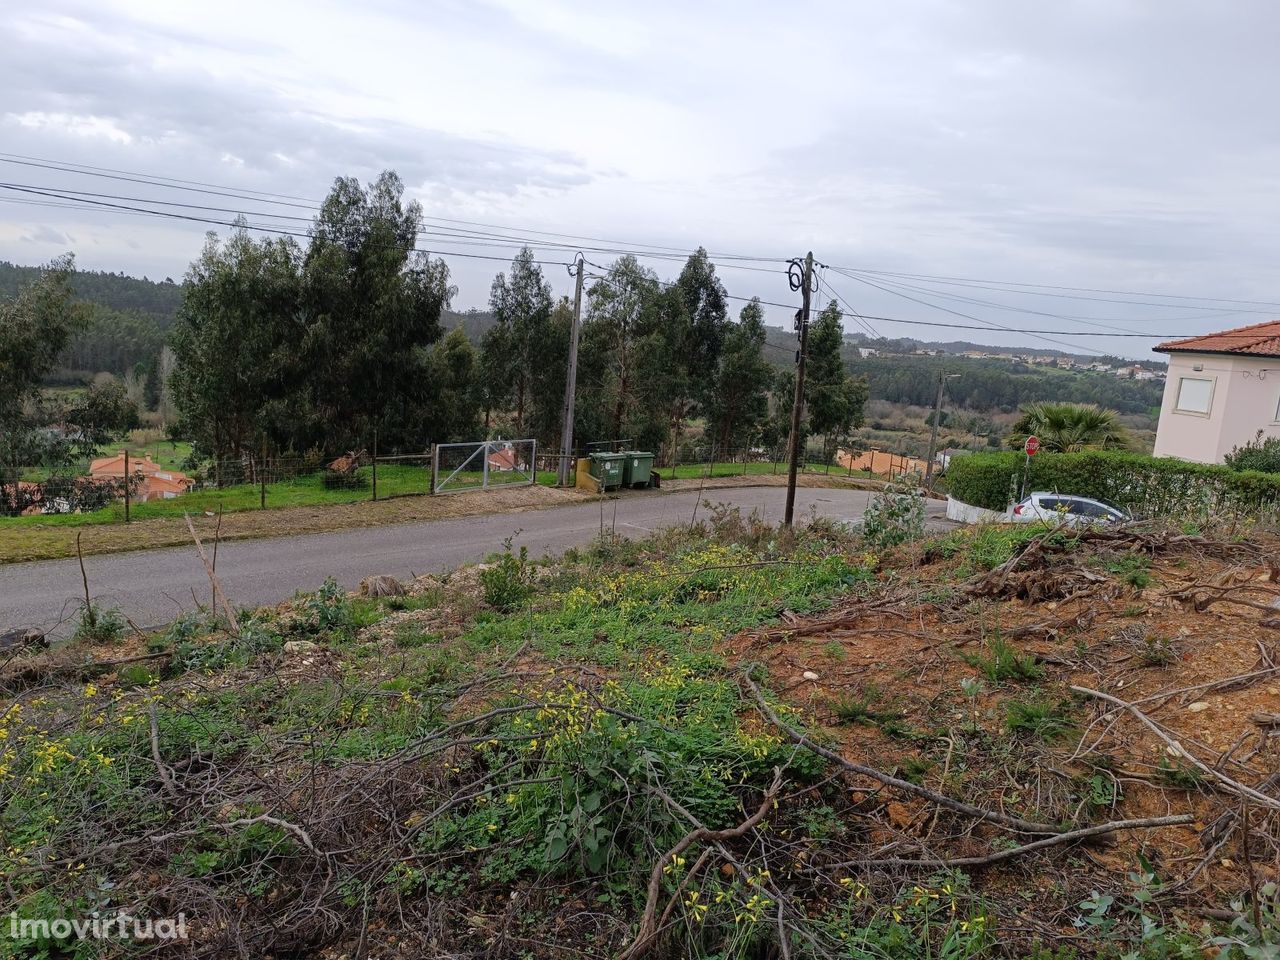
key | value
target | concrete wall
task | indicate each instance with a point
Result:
(1246, 396)
(967, 513)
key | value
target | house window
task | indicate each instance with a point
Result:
(1277, 419)
(1194, 395)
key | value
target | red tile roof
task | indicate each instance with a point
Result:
(1258, 340)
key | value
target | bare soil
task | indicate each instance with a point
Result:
(1197, 649)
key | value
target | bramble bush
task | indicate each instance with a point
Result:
(1145, 486)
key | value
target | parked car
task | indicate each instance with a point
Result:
(1066, 509)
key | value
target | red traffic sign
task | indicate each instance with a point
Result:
(1032, 446)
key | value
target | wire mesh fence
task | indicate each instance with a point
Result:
(168, 486)
(484, 464)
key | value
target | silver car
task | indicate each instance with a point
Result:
(1072, 511)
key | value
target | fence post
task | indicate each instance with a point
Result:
(484, 477)
(126, 486)
(375, 463)
(435, 467)
(262, 476)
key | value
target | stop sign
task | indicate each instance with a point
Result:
(1032, 446)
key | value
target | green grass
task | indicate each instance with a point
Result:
(1045, 719)
(309, 490)
(987, 546)
(170, 455)
(1003, 662)
(305, 491)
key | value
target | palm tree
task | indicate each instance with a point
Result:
(1069, 428)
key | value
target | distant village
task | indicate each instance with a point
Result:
(1135, 371)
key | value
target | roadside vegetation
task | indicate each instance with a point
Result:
(729, 740)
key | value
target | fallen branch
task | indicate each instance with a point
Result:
(1084, 833)
(1230, 784)
(166, 775)
(648, 925)
(906, 786)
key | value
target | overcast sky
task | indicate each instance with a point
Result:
(1097, 143)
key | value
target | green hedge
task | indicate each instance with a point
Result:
(1145, 486)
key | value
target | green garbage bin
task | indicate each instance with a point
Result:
(636, 469)
(607, 468)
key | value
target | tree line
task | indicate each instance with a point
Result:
(325, 347)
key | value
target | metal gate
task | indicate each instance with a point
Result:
(458, 467)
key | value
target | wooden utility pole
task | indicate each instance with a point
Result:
(933, 434)
(571, 380)
(804, 284)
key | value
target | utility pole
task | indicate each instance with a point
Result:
(933, 434)
(800, 277)
(571, 379)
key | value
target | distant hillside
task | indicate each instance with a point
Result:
(133, 315)
(158, 299)
(474, 323)
(900, 374)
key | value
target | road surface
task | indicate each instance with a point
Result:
(153, 586)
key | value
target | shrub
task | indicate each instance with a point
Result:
(1146, 486)
(1258, 454)
(507, 584)
(99, 626)
(894, 516)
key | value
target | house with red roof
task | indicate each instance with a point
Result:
(1222, 388)
(154, 481)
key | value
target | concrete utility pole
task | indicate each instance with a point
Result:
(801, 279)
(571, 379)
(937, 416)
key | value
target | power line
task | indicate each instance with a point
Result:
(999, 306)
(989, 324)
(639, 248)
(862, 321)
(266, 229)
(452, 237)
(952, 326)
(93, 200)
(636, 247)
(1051, 290)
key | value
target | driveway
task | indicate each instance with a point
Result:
(152, 587)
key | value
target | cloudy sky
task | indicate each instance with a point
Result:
(1114, 145)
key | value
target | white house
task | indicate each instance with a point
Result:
(1221, 389)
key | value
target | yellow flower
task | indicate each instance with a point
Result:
(90, 690)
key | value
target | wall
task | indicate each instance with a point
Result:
(1246, 395)
(968, 513)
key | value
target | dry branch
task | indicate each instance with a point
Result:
(233, 623)
(906, 786)
(1083, 833)
(645, 935)
(1230, 784)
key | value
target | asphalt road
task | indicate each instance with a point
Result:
(152, 587)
